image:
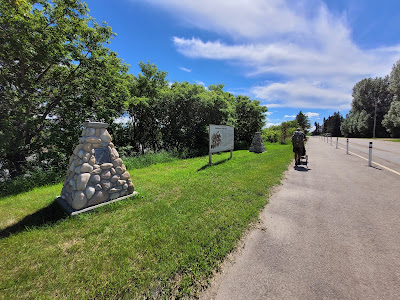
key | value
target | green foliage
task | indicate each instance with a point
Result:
(177, 116)
(150, 158)
(280, 133)
(55, 73)
(303, 122)
(145, 106)
(392, 119)
(271, 134)
(29, 181)
(371, 102)
(331, 125)
(250, 118)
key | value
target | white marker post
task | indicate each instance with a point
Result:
(370, 154)
(347, 148)
(331, 141)
(337, 142)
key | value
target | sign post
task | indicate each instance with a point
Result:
(221, 138)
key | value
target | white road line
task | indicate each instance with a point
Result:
(389, 169)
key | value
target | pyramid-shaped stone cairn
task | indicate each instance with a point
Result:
(257, 145)
(96, 174)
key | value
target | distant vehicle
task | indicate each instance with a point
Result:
(328, 135)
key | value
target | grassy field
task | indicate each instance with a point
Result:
(166, 242)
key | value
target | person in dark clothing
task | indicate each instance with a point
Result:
(298, 139)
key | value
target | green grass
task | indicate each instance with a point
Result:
(164, 243)
(398, 141)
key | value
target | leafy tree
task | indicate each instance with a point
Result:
(144, 106)
(280, 132)
(392, 118)
(303, 122)
(284, 133)
(371, 101)
(333, 123)
(55, 73)
(250, 118)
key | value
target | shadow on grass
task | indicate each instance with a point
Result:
(46, 216)
(214, 164)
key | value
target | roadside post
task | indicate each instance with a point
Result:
(337, 142)
(331, 141)
(370, 154)
(347, 148)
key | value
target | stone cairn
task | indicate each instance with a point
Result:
(257, 145)
(96, 174)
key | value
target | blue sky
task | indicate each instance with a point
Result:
(290, 55)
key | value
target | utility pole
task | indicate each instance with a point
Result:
(373, 133)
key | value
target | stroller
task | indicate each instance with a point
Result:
(303, 158)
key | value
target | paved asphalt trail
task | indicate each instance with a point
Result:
(332, 232)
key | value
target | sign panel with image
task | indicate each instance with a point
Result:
(221, 138)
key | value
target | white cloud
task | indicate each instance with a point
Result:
(309, 50)
(302, 94)
(185, 69)
(287, 116)
(200, 82)
(312, 115)
(268, 113)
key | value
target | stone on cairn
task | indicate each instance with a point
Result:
(257, 145)
(96, 174)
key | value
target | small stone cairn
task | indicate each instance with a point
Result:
(96, 174)
(257, 145)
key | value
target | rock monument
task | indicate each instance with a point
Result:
(257, 145)
(96, 174)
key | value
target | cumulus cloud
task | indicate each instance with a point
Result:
(287, 116)
(306, 49)
(312, 115)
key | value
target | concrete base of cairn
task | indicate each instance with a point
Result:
(96, 173)
(257, 145)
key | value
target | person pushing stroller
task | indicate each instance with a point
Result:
(299, 150)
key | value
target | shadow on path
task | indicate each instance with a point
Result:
(302, 168)
(46, 216)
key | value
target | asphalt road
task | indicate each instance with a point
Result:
(386, 153)
(329, 232)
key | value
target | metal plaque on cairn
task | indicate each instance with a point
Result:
(96, 173)
(257, 145)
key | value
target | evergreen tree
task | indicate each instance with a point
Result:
(303, 122)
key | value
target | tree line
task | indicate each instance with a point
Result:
(375, 109)
(281, 133)
(56, 73)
